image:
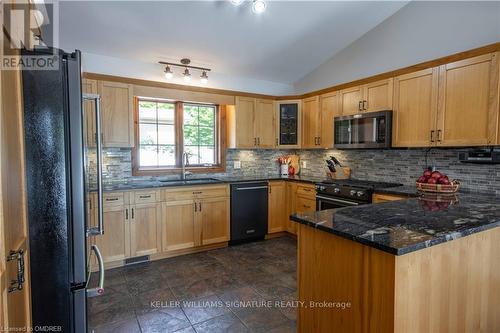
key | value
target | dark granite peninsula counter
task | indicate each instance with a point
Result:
(414, 265)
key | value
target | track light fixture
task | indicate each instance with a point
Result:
(204, 77)
(186, 74)
(168, 73)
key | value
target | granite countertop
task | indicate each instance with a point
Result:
(405, 190)
(137, 185)
(404, 226)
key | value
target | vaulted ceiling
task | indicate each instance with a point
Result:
(283, 44)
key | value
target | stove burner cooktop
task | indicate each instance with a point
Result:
(354, 189)
(360, 183)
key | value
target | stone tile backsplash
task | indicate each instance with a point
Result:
(395, 165)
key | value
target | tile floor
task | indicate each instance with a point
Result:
(214, 291)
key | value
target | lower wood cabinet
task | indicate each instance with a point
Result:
(114, 244)
(300, 198)
(277, 213)
(213, 220)
(145, 229)
(178, 225)
(200, 218)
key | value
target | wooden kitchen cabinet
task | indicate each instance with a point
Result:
(89, 87)
(382, 197)
(195, 216)
(117, 114)
(251, 124)
(310, 122)
(291, 198)
(329, 106)
(370, 97)
(265, 123)
(468, 102)
(277, 213)
(305, 205)
(415, 108)
(213, 217)
(351, 100)
(114, 244)
(145, 229)
(318, 114)
(178, 225)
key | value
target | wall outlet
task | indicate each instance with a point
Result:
(304, 164)
(237, 165)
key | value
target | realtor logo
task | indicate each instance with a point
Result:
(29, 26)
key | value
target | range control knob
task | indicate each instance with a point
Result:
(360, 193)
(336, 190)
(352, 192)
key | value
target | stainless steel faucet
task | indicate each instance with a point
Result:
(185, 161)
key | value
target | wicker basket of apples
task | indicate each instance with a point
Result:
(437, 182)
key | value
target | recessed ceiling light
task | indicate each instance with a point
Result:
(237, 2)
(168, 72)
(259, 6)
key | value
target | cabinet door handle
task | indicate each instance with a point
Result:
(364, 105)
(439, 136)
(195, 207)
(126, 213)
(359, 105)
(199, 206)
(111, 199)
(255, 141)
(132, 213)
(432, 136)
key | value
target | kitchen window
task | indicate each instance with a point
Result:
(165, 129)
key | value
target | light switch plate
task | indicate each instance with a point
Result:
(304, 164)
(237, 165)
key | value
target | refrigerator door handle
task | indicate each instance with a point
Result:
(100, 220)
(99, 290)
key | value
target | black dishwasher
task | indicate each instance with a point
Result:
(248, 211)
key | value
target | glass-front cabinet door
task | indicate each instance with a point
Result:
(288, 124)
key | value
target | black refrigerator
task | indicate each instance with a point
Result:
(55, 153)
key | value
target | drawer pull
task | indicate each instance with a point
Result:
(197, 192)
(145, 196)
(307, 189)
(250, 231)
(111, 199)
(305, 206)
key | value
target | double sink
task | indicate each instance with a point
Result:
(199, 181)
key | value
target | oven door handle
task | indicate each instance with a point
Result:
(351, 203)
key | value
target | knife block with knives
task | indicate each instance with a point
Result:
(335, 170)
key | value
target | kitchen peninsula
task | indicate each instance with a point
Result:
(401, 266)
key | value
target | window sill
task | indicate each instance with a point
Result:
(169, 171)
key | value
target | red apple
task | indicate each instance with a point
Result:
(431, 181)
(422, 179)
(444, 181)
(436, 175)
(427, 173)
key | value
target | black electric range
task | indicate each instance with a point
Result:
(347, 192)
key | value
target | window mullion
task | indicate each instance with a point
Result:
(179, 132)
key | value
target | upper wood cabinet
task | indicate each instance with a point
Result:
(310, 122)
(277, 215)
(370, 97)
(265, 123)
(468, 102)
(415, 108)
(251, 124)
(329, 106)
(117, 114)
(318, 114)
(89, 87)
(288, 124)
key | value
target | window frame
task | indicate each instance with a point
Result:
(220, 140)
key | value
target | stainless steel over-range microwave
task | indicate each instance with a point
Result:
(366, 130)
